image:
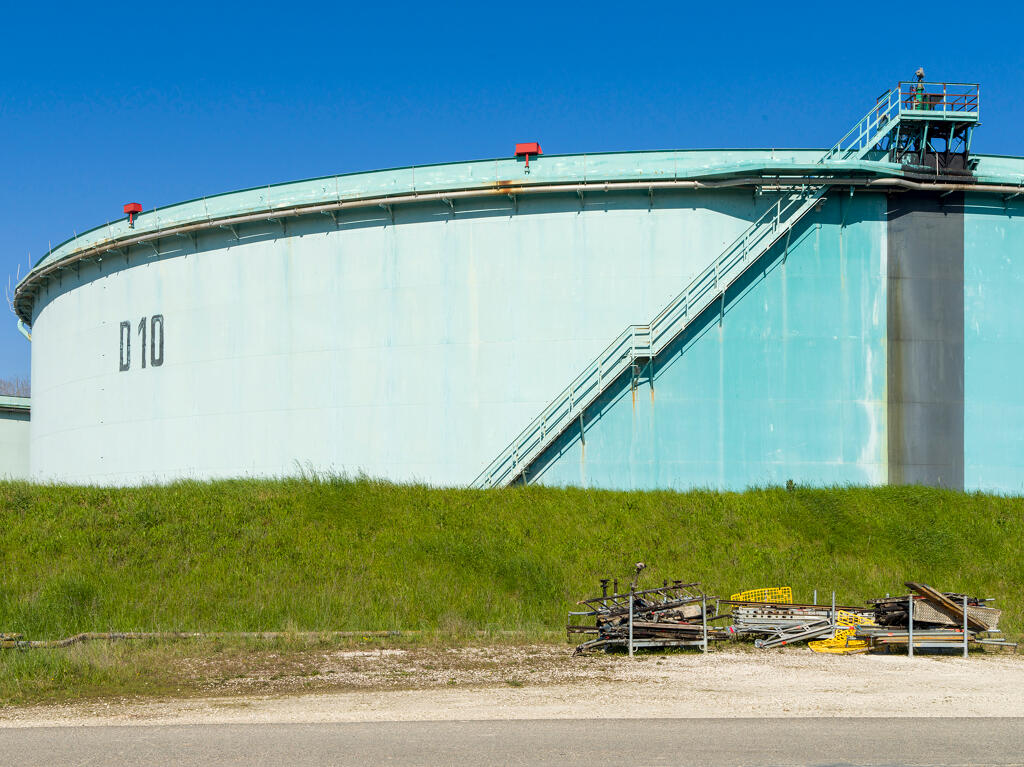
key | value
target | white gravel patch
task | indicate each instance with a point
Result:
(546, 683)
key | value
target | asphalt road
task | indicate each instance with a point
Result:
(719, 742)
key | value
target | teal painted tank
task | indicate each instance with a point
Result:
(785, 379)
(713, 318)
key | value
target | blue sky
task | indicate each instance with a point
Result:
(158, 103)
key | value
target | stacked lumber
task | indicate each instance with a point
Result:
(939, 620)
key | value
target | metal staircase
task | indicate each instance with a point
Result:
(638, 343)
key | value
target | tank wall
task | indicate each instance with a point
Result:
(14, 445)
(417, 348)
(993, 344)
(409, 350)
(788, 383)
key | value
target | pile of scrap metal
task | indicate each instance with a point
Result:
(676, 614)
(931, 619)
(771, 617)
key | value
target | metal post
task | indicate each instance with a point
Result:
(704, 621)
(630, 622)
(910, 627)
(965, 625)
(833, 609)
(815, 596)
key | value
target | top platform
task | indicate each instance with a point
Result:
(957, 102)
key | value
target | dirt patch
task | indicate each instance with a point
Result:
(390, 669)
(506, 682)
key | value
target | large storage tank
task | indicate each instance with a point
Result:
(15, 422)
(411, 324)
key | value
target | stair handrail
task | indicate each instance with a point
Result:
(638, 341)
(695, 298)
(663, 326)
(886, 109)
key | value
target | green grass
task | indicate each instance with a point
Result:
(333, 554)
(156, 668)
(94, 670)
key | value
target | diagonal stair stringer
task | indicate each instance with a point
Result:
(643, 342)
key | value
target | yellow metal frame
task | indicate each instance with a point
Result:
(779, 594)
(842, 642)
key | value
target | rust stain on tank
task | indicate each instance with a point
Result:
(508, 185)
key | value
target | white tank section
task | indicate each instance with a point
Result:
(410, 344)
(14, 437)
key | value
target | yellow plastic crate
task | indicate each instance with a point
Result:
(780, 594)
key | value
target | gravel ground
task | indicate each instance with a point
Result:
(544, 682)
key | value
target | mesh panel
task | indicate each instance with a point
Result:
(780, 594)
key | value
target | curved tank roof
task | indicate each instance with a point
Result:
(546, 174)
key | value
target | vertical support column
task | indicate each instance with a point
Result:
(910, 627)
(630, 621)
(704, 620)
(965, 625)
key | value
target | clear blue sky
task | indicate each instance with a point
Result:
(159, 103)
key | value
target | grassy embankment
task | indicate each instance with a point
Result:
(320, 555)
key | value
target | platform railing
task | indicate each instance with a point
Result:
(951, 99)
(643, 342)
